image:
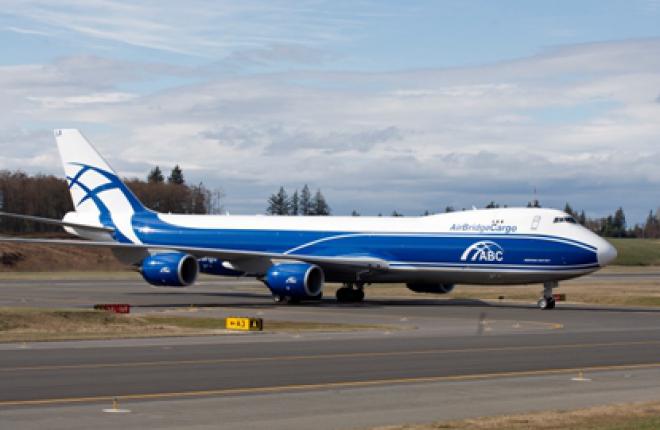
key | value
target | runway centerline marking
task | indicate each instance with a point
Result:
(323, 356)
(327, 385)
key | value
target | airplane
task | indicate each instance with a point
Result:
(294, 256)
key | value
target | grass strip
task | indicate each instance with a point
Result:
(636, 416)
(28, 324)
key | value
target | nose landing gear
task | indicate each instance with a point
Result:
(548, 300)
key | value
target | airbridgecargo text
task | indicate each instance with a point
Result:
(483, 228)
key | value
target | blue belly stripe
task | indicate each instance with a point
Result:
(439, 249)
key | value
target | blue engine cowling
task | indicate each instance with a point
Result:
(170, 269)
(295, 280)
(215, 266)
(421, 287)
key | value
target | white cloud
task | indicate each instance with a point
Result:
(580, 124)
(86, 99)
(29, 31)
(195, 27)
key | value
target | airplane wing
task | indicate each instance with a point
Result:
(345, 262)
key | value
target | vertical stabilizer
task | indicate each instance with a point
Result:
(95, 188)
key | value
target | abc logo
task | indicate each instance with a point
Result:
(484, 251)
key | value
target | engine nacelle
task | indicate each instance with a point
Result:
(170, 269)
(295, 280)
(421, 287)
(215, 266)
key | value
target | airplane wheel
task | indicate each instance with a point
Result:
(284, 300)
(551, 303)
(344, 295)
(349, 295)
(546, 303)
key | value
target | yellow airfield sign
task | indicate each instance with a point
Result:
(244, 323)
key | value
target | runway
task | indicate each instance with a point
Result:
(435, 351)
(60, 376)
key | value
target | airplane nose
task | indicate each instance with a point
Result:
(606, 254)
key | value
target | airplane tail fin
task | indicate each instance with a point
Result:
(95, 188)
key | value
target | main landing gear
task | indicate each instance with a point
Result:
(351, 293)
(548, 300)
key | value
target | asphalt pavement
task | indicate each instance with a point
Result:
(420, 357)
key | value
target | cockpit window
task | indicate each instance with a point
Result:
(568, 219)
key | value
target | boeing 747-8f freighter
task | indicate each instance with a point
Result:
(295, 256)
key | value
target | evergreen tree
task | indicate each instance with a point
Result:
(569, 210)
(176, 176)
(396, 214)
(534, 204)
(155, 176)
(319, 205)
(651, 227)
(492, 205)
(614, 225)
(278, 204)
(305, 204)
(619, 223)
(582, 218)
(294, 203)
(449, 209)
(355, 213)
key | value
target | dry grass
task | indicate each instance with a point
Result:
(72, 275)
(34, 325)
(638, 416)
(590, 290)
(37, 258)
(294, 326)
(22, 325)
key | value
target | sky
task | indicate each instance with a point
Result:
(383, 105)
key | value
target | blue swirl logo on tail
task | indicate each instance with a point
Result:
(112, 208)
(114, 183)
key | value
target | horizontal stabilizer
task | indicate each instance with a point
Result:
(52, 221)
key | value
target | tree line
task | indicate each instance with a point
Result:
(614, 225)
(48, 196)
(302, 203)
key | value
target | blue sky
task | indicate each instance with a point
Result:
(407, 106)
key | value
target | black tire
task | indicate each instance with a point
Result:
(344, 295)
(551, 303)
(358, 295)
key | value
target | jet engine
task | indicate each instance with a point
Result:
(421, 287)
(170, 269)
(295, 281)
